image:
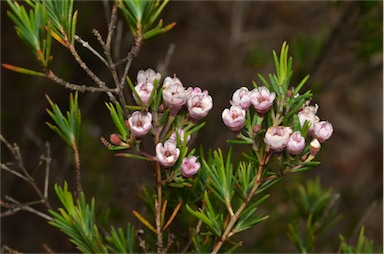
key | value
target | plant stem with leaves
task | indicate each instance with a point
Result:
(228, 229)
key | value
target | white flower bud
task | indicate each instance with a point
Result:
(314, 146)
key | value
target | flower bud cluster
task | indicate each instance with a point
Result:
(261, 99)
(174, 95)
(277, 138)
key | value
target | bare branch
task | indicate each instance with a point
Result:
(84, 66)
(89, 72)
(80, 88)
(107, 51)
(47, 169)
(5, 167)
(10, 250)
(25, 175)
(19, 206)
(132, 53)
(111, 27)
(48, 249)
(9, 146)
(86, 45)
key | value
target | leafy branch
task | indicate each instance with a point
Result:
(77, 220)
(68, 128)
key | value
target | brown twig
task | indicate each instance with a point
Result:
(17, 206)
(158, 204)
(86, 45)
(111, 65)
(47, 169)
(84, 66)
(79, 188)
(14, 149)
(89, 72)
(171, 240)
(142, 243)
(75, 87)
(47, 249)
(10, 250)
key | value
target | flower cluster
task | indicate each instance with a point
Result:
(261, 99)
(175, 96)
(277, 138)
(150, 118)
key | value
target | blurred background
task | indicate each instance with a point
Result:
(219, 46)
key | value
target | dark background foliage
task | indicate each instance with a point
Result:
(219, 46)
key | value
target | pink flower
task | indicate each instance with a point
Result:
(174, 94)
(189, 166)
(322, 130)
(277, 138)
(241, 97)
(234, 117)
(262, 99)
(199, 103)
(308, 113)
(140, 123)
(148, 76)
(181, 135)
(144, 87)
(144, 91)
(168, 153)
(296, 143)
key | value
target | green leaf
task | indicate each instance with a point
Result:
(300, 85)
(199, 215)
(122, 242)
(240, 142)
(134, 156)
(220, 175)
(142, 17)
(68, 127)
(23, 70)
(62, 17)
(77, 221)
(118, 119)
(130, 84)
(33, 29)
